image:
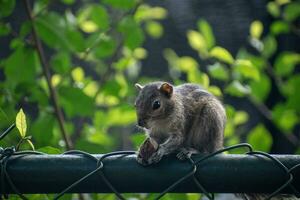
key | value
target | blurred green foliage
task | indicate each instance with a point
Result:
(95, 52)
(248, 75)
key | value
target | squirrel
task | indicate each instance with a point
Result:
(186, 119)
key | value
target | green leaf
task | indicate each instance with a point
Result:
(260, 138)
(171, 56)
(199, 78)
(34, 197)
(5, 29)
(270, 46)
(111, 87)
(290, 89)
(187, 64)
(106, 47)
(75, 38)
(39, 7)
(121, 80)
(229, 129)
(99, 16)
(273, 9)
(78, 74)
(197, 41)
(172, 196)
(256, 29)
(21, 123)
(88, 26)
(240, 117)
(230, 126)
(57, 33)
(30, 144)
(42, 129)
(92, 18)
(215, 90)
(75, 102)
(132, 32)
(280, 27)
(6, 7)
(206, 30)
(21, 66)
(246, 69)
(218, 71)
(61, 62)
(235, 88)
(50, 29)
(37, 95)
(154, 29)
(91, 88)
(282, 2)
(260, 89)
(49, 150)
(122, 4)
(145, 12)
(292, 11)
(230, 111)
(286, 62)
(107, 100)
(99, 137)
(284, 117)
(26, 28)
(193, 196)
(68, 2)
(258, 61)
(140, 53)
(115, 116)
(222, 55)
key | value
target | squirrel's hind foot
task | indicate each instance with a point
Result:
(185, 153)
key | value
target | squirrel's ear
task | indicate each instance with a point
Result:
(167, 89)
(138, 87)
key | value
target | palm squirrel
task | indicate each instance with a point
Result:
(185, 119)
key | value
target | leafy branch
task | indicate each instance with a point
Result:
(21, 125)
(47, 74)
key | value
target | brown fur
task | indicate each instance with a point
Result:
(189, 119)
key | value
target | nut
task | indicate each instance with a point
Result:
(146, 150)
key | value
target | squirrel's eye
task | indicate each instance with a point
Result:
(156, 105)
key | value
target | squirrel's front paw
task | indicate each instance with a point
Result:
(141, 161)
(156, 157)
(146, 151)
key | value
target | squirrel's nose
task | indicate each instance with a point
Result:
(142, 122)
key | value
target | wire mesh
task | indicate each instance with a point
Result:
(11, 153)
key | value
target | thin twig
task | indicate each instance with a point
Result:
(45, 7)
(109, 70)
(46, 71)
(78, 129)
(262, 108)
(278, 81)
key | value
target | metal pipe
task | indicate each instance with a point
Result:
(221, 173)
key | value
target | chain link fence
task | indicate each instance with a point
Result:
(7, 155)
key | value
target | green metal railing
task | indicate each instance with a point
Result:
(220, 173)
(25, 172)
